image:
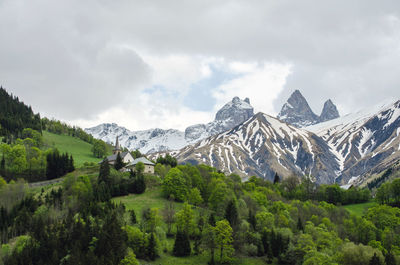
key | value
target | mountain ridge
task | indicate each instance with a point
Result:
(158, 140)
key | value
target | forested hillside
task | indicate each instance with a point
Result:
(194, 215)
(15, 116)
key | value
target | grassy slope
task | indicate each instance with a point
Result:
(152, 198)
(359, 208)
(80, 150)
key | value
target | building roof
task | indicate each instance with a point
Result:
(114, 157)
(143, 160)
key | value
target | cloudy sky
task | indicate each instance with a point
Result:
(170, 64)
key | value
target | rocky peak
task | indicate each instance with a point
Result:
(329, 112)
(296, 111)
(230, 115)
(237, 110)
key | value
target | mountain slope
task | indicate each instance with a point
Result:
(262, 146)
(158, 140)
(365, 142)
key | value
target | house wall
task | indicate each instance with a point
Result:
(149, 169)
(128, 158)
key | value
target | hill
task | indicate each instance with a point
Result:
(79, 149)
(15, 115)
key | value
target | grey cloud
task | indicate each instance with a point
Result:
(344, 50)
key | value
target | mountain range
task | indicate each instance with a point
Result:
(327, 148)
(149, 141)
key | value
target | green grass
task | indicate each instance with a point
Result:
(360, 208)
(80, 150)
(151, 198)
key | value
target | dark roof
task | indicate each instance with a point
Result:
(114, 157)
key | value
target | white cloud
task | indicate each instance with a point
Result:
(262, 83)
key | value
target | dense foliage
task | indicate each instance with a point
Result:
(15, 116)
(221, 218)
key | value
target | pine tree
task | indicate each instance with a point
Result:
(181, 245)
(211, 219)
(104, 172)
(389, 259)
(252, 220)
(139, 184)
(375, 260)
(151, 248)
(276, 178)
(71, 166)
(2, 166)
(133, 216)
(231, 213)
(300, 226)
(118, 162)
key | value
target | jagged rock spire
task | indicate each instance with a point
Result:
(329, 112)
(296, 111)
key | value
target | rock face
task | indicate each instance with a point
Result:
(329, 112)
(262, 146)
(230, 115)
(364, 143)
(297, 112)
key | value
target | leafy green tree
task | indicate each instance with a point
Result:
(224, 240)
(136, 154)
(219, 195)
(151, 219)
(395, 190)
(209, 241)
(130, 259)
(174, 184)
(194, 197)
(99, 148)
(3, 183)
(139, 168)
(182, 244)
(168, 213)
(383, 193)
(136, 240)
(185, 219)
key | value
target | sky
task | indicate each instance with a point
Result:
(171, 64)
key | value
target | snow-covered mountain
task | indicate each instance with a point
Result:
(147, 141)
(158, 140)
(262, 146)
(345, 149)
(297, 112)
(232, 114)
(365, 142)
